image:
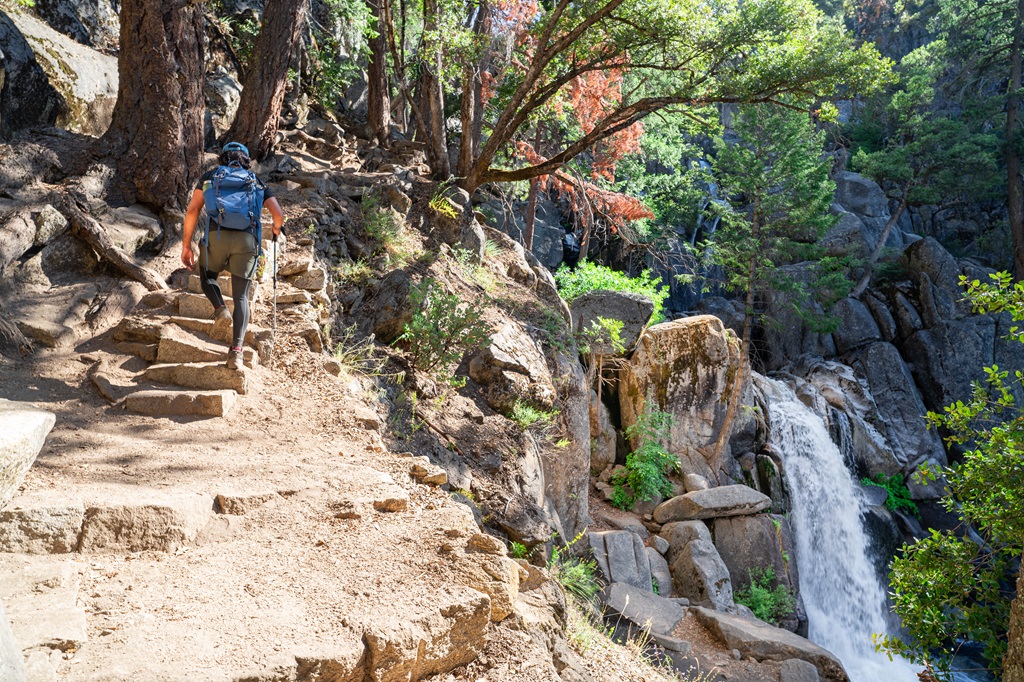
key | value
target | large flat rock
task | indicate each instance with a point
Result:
(622, 558)
(726, 500)
(50, 620)
(23, 430)
(181, 403)
(41, 523)
(755, 639)
(208, 376)
(643, 609)
(135, 519)
(178, 346)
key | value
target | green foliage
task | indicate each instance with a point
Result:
(353, 272)
(442, 328)
(648, 466)
(589, 276)
(527, 416)
(519, 551)
(769, 599)
(333, 55)
(898, 499)
(439, 204)
(479, 274)
(603, 336)
(578, 577)
(946, 587)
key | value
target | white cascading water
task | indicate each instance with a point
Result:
(845, 602)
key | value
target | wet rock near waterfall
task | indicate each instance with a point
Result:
(750, 544)
(633, 310)
(755, 639)
(899, 405)
(726, 500)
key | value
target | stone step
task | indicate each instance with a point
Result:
(207, 376)
(159, 403)
(197, 305)
(178, 346)
(256, 337)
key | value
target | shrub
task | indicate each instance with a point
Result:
(899, 499)
(384, 225)
(648, 466)
(527, 416)
(519, 551)
(577, 576)
(355, 355)
(588, 276)
(442, 328)
(770, 601)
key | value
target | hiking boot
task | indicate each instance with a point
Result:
(235, 358)
(222, 318)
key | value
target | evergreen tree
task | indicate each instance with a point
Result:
(777, 179)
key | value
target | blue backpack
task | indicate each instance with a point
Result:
(234, 199)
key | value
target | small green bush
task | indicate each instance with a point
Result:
(899, 499)
(648, 466)
(519, 551)
(602, 335)
(357, 355)
(769, 600)
(577, 576)
(442, 328)
(588, 276)
(527, 415)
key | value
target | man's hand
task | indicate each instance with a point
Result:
(188, 257)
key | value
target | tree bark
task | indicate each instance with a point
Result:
(85, 227)
(467, 116)
(255, 124)
(156, 131)
(531, 201)
(433, 91)
(1013, 664)
(378, 97)
(1015, 184)
(877, 251)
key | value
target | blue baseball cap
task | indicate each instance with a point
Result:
(235, 147)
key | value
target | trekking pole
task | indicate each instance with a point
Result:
(273, 333)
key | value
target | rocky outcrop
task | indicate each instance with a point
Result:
(90, 22)
(26, 96)
(567, 466)
(223, 93)
(23, 431)
(685, 368)
(85, 78)
(633, 310)
(512, 369)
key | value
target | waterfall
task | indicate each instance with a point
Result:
(845, 602)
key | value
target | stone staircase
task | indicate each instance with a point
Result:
(188, 376)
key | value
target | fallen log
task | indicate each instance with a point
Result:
(86, 228)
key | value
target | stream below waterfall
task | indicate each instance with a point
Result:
(844, 600)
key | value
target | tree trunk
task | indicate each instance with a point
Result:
(1013, 664)
(531, 201)
(433, 90)
(736, 395)
(467, 117)
(1015, 184)
(255, 124)
(877, 251)
(378, 98)
(156, 131)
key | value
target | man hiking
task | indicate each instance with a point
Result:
(234, 198)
